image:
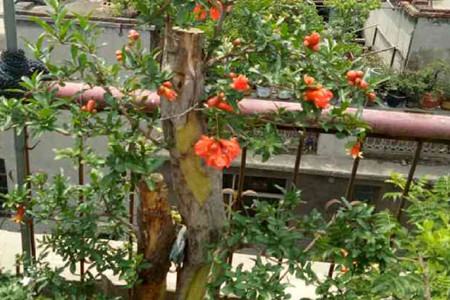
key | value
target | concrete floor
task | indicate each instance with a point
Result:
(10, 246)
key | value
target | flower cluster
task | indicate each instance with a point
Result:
(217, 153)
(119, 55)
(355, 151)
(355, 78)
(20, 213)
(133, 36)
(312, 41)
(316, 93)
(166, 90)
(220, 103)
(91, 106)
(319, 95)
(240, 82)
(200, 12)
(308, 80)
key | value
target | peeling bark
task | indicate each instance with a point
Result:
(156, 236)
(197, 187)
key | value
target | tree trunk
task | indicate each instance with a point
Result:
(198, 188)
(156, 237)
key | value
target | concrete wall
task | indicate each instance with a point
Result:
(112, 38)
(431, 42)
(419, 40)
(330, 145)
(395, 28)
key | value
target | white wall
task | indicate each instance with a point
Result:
(395, 28)
(42, 157)
(420, 40)
(431, 42)
(113, 37)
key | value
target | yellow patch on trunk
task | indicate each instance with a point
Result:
(197, 287)
(191, 165)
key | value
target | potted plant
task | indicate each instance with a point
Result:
(391, 91)
(443, 86)
(268, 83)
(417, 86)
(414, 88)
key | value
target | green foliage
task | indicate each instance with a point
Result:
(74, 212)
(271, 51)
(426, 243)
(375, 257)
(348, 16)
(272, 232)
(12, 289)
(358, 240)
(414, 83)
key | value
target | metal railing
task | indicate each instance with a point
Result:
(395, 51)
(386, 124)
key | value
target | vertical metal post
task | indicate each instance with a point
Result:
(130, 237)
(409, 179)
(28, 173)
(348, 196)
(131, 211)
(81, 199)
(393, 57)
(375, 36)
(17, 265)
(299, 157)
(9, 18)
(351, 182)
(238, 202)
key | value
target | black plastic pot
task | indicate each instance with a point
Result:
(394, 99)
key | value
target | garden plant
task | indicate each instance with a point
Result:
(210, 55)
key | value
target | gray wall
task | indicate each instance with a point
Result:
(419, 40)
(395, 28)
(113, 37)
(431, 42)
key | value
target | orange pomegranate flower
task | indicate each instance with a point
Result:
(217, 153)
(312, 41)
(319, 95)
(220, 103)
(225, 106)
(355, 151)
(166, 90)
(200, 13)
(231, 147)
(240, 83)
(20, 213)
(213, 101)
(170, 94)
(216, 11)
(308, 79)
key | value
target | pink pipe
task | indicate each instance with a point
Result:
(390, 123)
(147, 98)
(384, 122)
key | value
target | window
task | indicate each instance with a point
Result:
(366, 193)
